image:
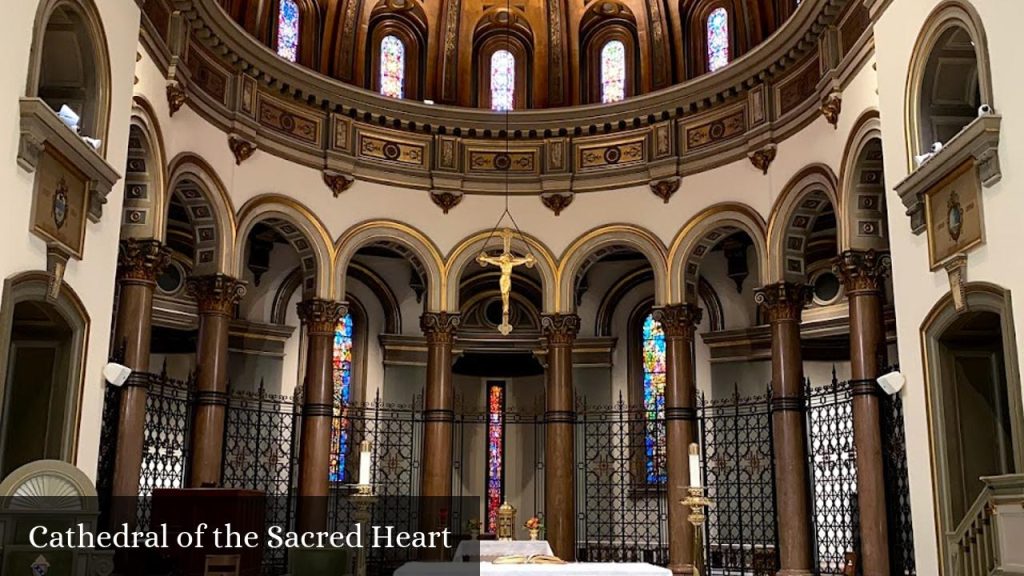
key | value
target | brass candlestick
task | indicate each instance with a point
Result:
(697, 503)
(364, 499)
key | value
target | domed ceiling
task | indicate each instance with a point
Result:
(511, 53)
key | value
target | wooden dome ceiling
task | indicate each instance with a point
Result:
(557, 44)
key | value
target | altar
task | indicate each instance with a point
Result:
(488, 550)
(569, 569)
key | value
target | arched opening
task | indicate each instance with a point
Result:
(391, 77)
(502, 80)
(950, 91)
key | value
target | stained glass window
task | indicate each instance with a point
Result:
(288, 30)
(613, 72)
(495, 452)
(503, 80)
(654, 401)
(342, 373)
(392, 67)
(718, 39)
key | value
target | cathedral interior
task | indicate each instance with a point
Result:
(702, 287)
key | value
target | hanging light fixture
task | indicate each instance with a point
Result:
(506, 227)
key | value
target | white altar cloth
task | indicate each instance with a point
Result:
(488, 550)
(488, 569)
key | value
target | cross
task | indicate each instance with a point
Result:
(506, 261)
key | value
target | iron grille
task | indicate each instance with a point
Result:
(901, 529)
(165, 439)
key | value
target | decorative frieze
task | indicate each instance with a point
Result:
(783, 301)
(216, 293)
(385, 149)
(514, 161)
(796, 88)
(591, 157)
(703, 133)
(289, 120)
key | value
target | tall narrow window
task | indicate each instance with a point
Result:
(613, 72)
(495, 452)
(718, 39)
(342, 374)
(392, 67)
(288, 30)
(654, 401)
(503, 80)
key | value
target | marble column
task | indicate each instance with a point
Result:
(863, 275)
(139, 262)
(783, 304)
(559, 422)
(679, 321)
(438, 404)
(216, 296)
(320, 319)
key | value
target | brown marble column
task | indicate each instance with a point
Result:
(320, 318)
(438, 405)
(559, 423)
(216, 296)
(679, 321)
(783, 304)
(863, 275)
(138, 264)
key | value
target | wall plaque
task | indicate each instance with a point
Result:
(954, 217)
(60, 205)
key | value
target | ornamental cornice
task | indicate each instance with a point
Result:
(244, 88)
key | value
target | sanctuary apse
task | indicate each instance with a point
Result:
(249, 246)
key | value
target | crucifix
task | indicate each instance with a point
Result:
(506, 261)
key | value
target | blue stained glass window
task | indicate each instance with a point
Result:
(613, 72)
(718, 39)
(503, 80)
(392, 67)
(495, 453)
(288, 30)
(341, 370)
(654, 401)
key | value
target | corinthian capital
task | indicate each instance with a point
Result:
(862, 270)
(783, 301)
(560, 328)
(679, 320)
(439, 327)
(216, 293)
(321, 316)
(141, 260)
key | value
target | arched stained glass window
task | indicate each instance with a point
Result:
(503, 80)
(718, 39)
(392, 67)
(613, 72)
(655, 469)
(288, 30)
(341, 370)
(495, 452)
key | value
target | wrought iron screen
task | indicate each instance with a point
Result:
(736, 438)
(165, 444)
(620, 516)
(897, 487)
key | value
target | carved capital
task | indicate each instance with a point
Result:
(445, 200)
(216, 293)
(439, 327)
(557, 202)
(321, 316)
(862, 270)
(176, 97)
(664, 189)
(242, 149)
(762, 159)
(141, 260)
(783, 301)
(679, 320)
(338, 182)
(831, 107)
(560, 329)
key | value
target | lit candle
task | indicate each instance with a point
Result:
(694, 466)
(365, 463)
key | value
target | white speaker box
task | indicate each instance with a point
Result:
(892, 382)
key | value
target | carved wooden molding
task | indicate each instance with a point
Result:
(557, 202)
(242, 149)
(832, 107)
(445, 200)
(956, 269)
(665, 188)
(762, 159)
(337, 182)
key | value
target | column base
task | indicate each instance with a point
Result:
(794, 572)
(682, 569)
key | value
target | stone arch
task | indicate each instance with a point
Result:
(210, 211)
(701, 234)
(79, 41)
(303, 231)
(806, 197)
(862, 187)
(402, 238)
(143, 213)
(954, 26)
(599, 242)
(466, 252)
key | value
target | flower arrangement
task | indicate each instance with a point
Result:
(533, 524)
(474, 524)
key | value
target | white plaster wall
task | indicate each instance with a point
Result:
(93, 277)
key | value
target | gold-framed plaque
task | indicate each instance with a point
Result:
(60, 203)
(954, 216)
